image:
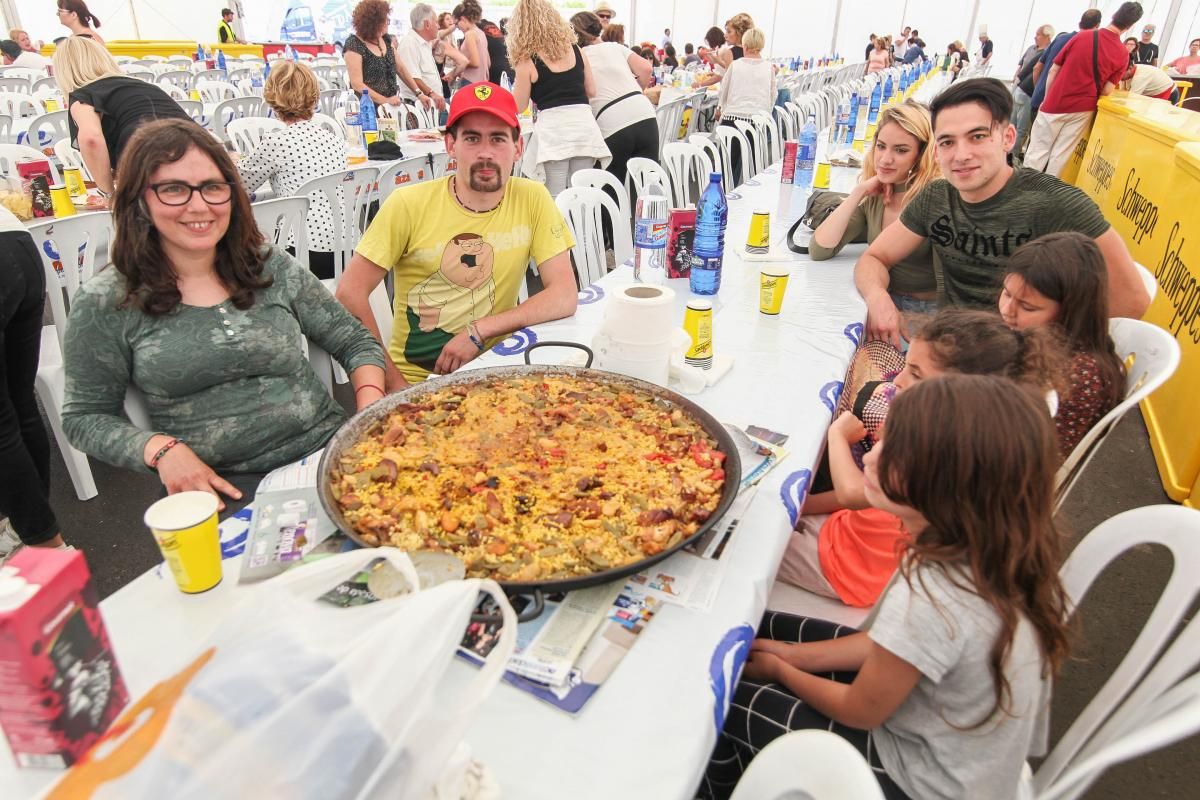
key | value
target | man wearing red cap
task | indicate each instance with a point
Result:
(459, 247)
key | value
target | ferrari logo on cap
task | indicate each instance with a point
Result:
(483, 92)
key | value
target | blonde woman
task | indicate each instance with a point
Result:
(899, 163)
(748, 88)
(735, 29)
(552, 72)
(301, 151)
(105, 106)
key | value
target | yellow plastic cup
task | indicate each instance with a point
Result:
(60, 199)
(185, 527)
(370, 136)
(51, 105)
(73, 177)
(758, 239)
(772, 284)
(821, 179)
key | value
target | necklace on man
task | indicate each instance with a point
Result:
(457, 199)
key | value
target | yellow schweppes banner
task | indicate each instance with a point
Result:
(1142, 167)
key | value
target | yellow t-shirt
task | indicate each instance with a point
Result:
(453, 266)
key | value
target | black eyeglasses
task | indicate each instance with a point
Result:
(177, 193)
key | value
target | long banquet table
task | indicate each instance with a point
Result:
(649, 730)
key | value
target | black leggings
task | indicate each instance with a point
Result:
(24, 445)
(760, 713)
(639, 140)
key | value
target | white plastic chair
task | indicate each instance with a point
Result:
(808, 764)
(785, 123)
(1171, 717)
(15, 85)
(688, 167)
(75, 240)
(329, 102)
(442, 165)
(725, 136)
(641, 174)
(282, 221)
(47, 129)
(1148, 280)
(1135, 696)
(405, 172)
(583, 209)
(349, 195)
(716, 156)
(183, 62)
(17, 105)
(215, 91)
(330, 124)
(1151, 356)
(174, 92)
(212, 76)
(10, 154)
(770, 149)
(235, 108)
(70, 158)
(603, 179)
(247, 132)
(758, 154)
(5, 129)
(176, 77)
(141, 74)
(669, 117)
(194, 109)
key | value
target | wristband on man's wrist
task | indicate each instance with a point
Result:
(475, 337)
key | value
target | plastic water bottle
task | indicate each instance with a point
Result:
(199, 52)
(266, 71)
(806, 155)
(366, 113)
(852, 121)
(650, 236)
(876, 93)
(220, 60)
(505, 83)
(353, 120)
(708, 248)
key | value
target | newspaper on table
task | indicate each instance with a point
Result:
(288, 523)
(625, 618)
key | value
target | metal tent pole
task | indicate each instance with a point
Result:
(1168, 28)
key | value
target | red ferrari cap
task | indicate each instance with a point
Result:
(487, 97)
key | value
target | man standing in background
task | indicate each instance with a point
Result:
(1023, 87)
(1147, 51)
(1088, 68)
(985, 48)
(1089, 21)
(415, 51)
(605, 12)
(225, 34)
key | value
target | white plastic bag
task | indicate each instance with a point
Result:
(297, 698)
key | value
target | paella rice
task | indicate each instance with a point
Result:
(536, 478)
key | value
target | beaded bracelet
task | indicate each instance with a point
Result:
(162, 451)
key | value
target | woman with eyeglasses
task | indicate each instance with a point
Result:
(80, 21)
(207, 322)
(104, 105)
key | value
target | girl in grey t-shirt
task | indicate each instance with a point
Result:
(948, 692)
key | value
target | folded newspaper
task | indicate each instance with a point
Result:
(621, 619)
(288, 524)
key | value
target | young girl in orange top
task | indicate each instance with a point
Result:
(850, 554)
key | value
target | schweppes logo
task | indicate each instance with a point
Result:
(483, 93)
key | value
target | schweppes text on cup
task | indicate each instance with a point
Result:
(697, 321)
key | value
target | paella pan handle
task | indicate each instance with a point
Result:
(576, 345)
(532, 611)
